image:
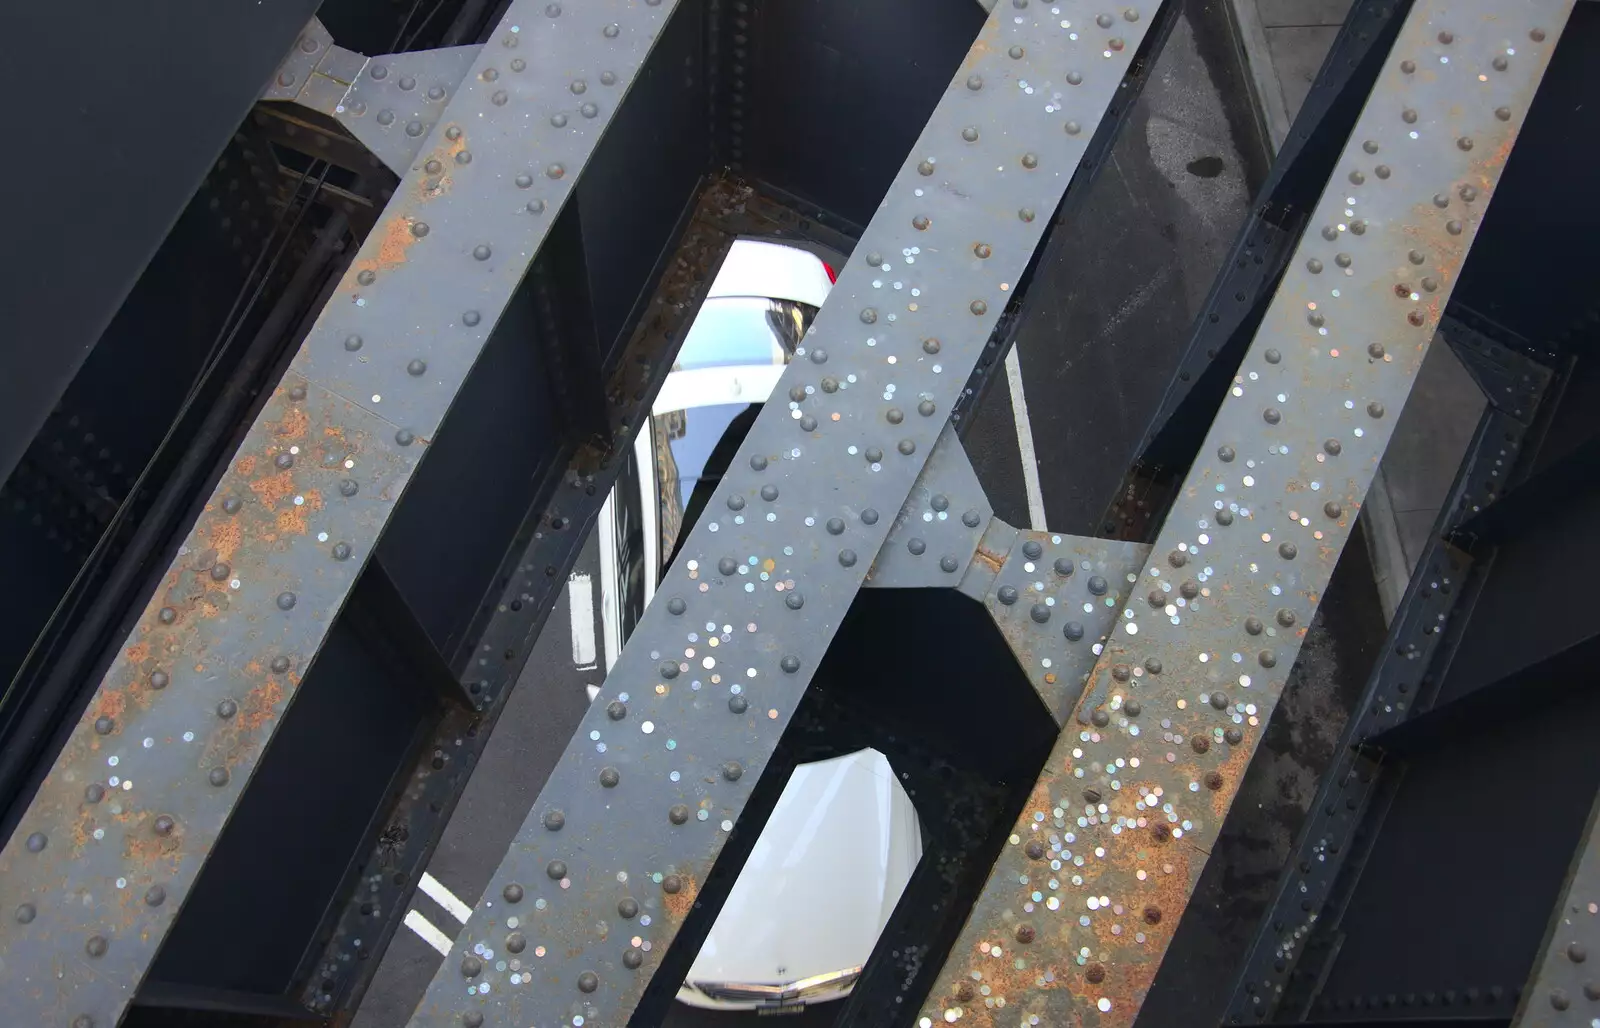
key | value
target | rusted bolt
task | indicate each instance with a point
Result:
(1121, 672)
(1091, 796)
(1200, 743)
(671, 885)
(1100, 718)
(1161, 830)
(1233, 736)
(965, 992)
(1034, 849)
(1132, 708)
(1095, 973)
(1213, 780)
(1024, 933)
(1152, 915)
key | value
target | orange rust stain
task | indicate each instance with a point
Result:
(393, 237)
(246, 465)
(226, 536)
(274, 489)
(292, 521)
(293, 424)
(110, 703)
(138, 653)
(260, 706)
(679, 904)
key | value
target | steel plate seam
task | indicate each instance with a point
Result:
(612, 858)
(1075, 934)
(108, 850)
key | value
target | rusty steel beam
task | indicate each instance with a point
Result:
(580, 914)
(110, 846)
(1082, 903)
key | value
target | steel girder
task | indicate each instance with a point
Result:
(621, 842)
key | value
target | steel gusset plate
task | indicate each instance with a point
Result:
(935, 535)
(1564, 991)
(108, 850)
(1082, 904)
(611, 859)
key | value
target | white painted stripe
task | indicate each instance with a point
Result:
(580, 605)
(445, 898)
(429, 932)
(593, 691)
(645, 458)
(610, 597)
(1030, 460)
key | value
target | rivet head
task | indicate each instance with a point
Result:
(1039, 613)
(672, 885)
(732, 770)
(284, 461)
(286, 601)
(366, 277)
(758, 463)
(1097, 585)
(1233, 736)
(231, 505)
(226, 709)
(353, 342)
(104, 725)
(471, 967)
(349, 487)
(1035, 849)
(1007, 594)
(835, 526)
(1333, 509)
(847, 558)
(1015, 53)
(481, 252)
(155, 896)
(1024, 933)
(1200, 743)
(970, 134)
(1254, 626)
(1503, 113)
(556, 870)
(1577, 953)
(1026, 215)
(554, 821)
(906, 447)
(1156, 598)
(1095, 973)
(1219, 700)
(790, 664)
(588, 981)
(669, 669)
(1032, 550)
(1132, 708)
(1286, 617)
(1537, 35)
(1100, 718)
(738, 704)
(472, 1019)
(869, 315)
(1559, 999)
(869, 516)
(1030, 161)
(983, 251)
(769, 492)
(1453, 227)
(1121, 672)
(1409, 67)
(1314, 266)
(94, 792)
(1074, 78)
(978, 307)
(793, 600)
(471, 318)
(971, 518)
(974, 82)
(96, 946)
(405, 437)
(1266, 658)
(516, 942)
(1464, 143)
(167, 615)
(628, 907)
(341, 551)
(1072, 630)
(949, 564)
(676, 606)
(555, 171)
(37, 842)
(1073, 128)
(616, 710)
(632, 957)
(1225, 454)
(926, 408)
(1287, 551)
(1224, 518)
(218, 776)
(924, 168)
(1375, 409)
(26, 913)
(609, 777)
(164, 824)
(1271, 415)
(1408, 116)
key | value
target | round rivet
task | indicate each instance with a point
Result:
(1032, 550)
(231, 505)
(1577, 953)
(353, 342)
(628, 907)
(348, 487)
(471, 967)
(26, 913)
(669, 669)
(1287, 551)
(1073, 631)
(978, 307)
(632, 957)
(555, 171)
(869, 516)
(1200, 743)
(1024, 933)
(366, 278)
(1224, 518)
(554, 821)
(1382, 171)
(226, 709)
(341, 551)
(155, 896)
(609, 777)
(678, 814)
(516, 942)
(1100, 718)
(104, 725)
(1233, 736)
(284, 461)
(1074, 78)
(1190, 589)
(556, 870)
(1156, 598)
(1026, 215)
(1559, 999)
(1064, 567)
(164, 824)
(974, 82)
(926, 408)
(790, 664)
(906, 447)
(1007, 594)
(1285, 617)
(1073, 128)
(1333, 509)
(793, 600)
(1409, 116)
(1453, 227)
(286, 601)
(671, 885)
(949, 564)
(94, 792)
(1375, 409)
(1375, 351)
(1503, 113)
(1225, 454)
(1254, 626)
(738, 704)
(1097, 585)
(37, 842)
(588, 981)
(758, 463)
(218, 776)
(676, 605)
(769, 492)
(471, 318)
(1409, 67)
(970, 134)
(1219, 700)
(1030, 161)
(971, 518)
(1040, 613)
(481, 252)
(1121, 672)
(982, 250)
(1314, 266)
(96, 946)
(1271, 416)
(1035, 849)
(835, 526)
(1266, 658)
(1132, 708)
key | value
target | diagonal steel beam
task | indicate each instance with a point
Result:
(1560, 991)
(108, 850)
(580, 913)
(1082, 904)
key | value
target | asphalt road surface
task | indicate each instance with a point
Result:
(1046, 443)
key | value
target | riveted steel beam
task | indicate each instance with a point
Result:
(611, 860)
(1562, 991)
(111, 844)
(1080, 908)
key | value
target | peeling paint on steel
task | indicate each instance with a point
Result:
(1083, 902)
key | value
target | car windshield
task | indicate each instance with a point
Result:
(744, 330)
(694, 448)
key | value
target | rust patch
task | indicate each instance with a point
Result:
(678, 904)
(389, 241)
(274, 489)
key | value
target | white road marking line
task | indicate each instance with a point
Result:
(444, 897)
(429, 932)
(610, 603)
(580, 605)
(593, 691)
(1030, 461)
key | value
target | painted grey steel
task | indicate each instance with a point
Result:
(1252, 538)
(938, 528)
(1564, 989)
(108, 850)
(300, 63)
(610, 860)
(395, 100)
(1056, 599)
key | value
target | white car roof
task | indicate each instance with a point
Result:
(757, 268)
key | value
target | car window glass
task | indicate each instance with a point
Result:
(744, 330)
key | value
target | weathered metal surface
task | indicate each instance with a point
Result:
(300, 63)
(1564, 991)
(1081, 906)
(393, 101)
(195, 694)
(611, 859)
(936, 533)
(1055, 600)
(104, 857)
(1511, 381)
